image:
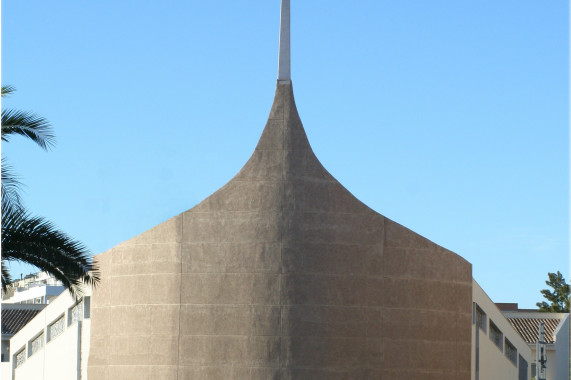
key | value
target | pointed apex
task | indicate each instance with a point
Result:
(284, 61)
(284, 130)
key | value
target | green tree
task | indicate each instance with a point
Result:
(31, 239)
(558, 298)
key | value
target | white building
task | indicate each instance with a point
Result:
(14, 318)
(556, 329)
(38, 288)
(54, 344)
(498, 351)
(562, 349)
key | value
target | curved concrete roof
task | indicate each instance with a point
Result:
(281, 274)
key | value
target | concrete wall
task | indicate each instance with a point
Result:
(61, 356)
(6, 370)
(562, 350)
(281, 274)
(493, 363)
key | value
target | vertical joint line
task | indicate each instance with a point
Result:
(179, 297)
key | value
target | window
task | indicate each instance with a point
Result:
(511, 352)
(76, 313)
(87, 307)
(496, 335)
(522, 371)
(36, 344)
(20, 357)
(480, 317)
(56, 328)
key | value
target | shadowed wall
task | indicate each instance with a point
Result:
(281, 274)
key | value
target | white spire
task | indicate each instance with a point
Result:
(284, 61)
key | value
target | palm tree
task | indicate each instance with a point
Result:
(31, 239)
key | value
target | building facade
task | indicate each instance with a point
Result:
(281, 274)
(498, 351)
(556, 336)
(54, 344)
(36, 288)
(14, 318)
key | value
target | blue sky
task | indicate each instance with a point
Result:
(450, 118)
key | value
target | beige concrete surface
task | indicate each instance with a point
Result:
(281, 274)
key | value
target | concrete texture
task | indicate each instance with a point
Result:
(281, 274)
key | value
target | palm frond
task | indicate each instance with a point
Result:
(7, 90)
(10, 185)
(27, 124)
(6, 278)
(36, 241)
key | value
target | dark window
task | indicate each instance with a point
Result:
(480, 318)
(496, 335)
(522, 369)
(87, 307)
(511, 352)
